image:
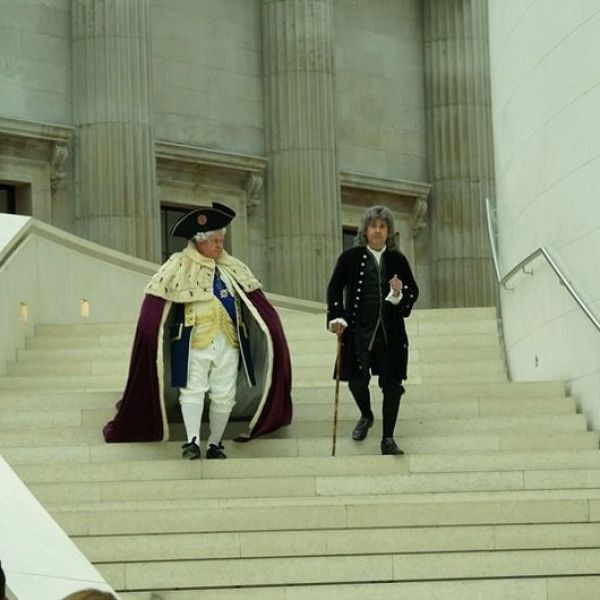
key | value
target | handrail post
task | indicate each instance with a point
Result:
(492, 238)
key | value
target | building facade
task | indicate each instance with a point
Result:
(118, 115)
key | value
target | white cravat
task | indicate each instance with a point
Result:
(390, 297)
(377, 254)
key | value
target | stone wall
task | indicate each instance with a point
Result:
(208, 113)
(545, 94)
(207, 73)
(380, 118)
(35, 60)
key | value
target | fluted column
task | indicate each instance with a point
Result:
(112, 94)
(460, 151)
(303, 210)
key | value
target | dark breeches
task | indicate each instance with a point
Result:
(380, 358)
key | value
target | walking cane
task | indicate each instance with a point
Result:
(338, 360)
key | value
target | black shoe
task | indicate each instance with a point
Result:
(389, 446)
(359, 433)
(215, 452)
(191, 450)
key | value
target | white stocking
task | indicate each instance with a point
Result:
(218, 422)
(192, 419)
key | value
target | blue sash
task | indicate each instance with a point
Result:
(226, 298)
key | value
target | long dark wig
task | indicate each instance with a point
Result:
(377, 213)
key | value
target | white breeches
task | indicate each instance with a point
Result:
(213, 369)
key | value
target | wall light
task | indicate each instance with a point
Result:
(23, 312)
(84, 307)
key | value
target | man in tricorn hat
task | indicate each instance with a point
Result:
(219, 320)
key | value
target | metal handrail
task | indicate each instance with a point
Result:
(541, 251)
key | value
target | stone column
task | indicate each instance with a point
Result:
(303, 198)
(116, 203)
(460, 151)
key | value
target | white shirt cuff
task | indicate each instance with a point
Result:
(393, 299)
(335, 321)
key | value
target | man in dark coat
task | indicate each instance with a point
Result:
(371, 292)
(224, 338)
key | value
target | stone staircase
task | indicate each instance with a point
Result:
(498, 497)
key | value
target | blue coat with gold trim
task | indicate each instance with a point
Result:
(180, 340)
(344, 301)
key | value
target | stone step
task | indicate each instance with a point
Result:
(506, 588)
(433, 387)
(530, 480)
(470, 332)
(306, 340)
(449, 504)
(312, 412)
(175, 468)
(145, 517)
(411, 427)
(299, 341)
(504, 392)
(418, 314)
(67, 355)
(69, 399)
(313, 377)
(424, 323)
(322, 370)
(61, 382)
(323, 377)
(43, 361)
(309, 430)
(414, 328)
(566, 482)
(35, 452)
(318, 367)
(418, 409)
(318, 411)
(317, 355)
(85, 329)
(460, 334)
(306, 491)
(44, 415)
(260, 544)
(437, 391)
(351, 569)
(104, 367)
(313, 407)
(449, 327)
(449, 314)
(303, 354)
(339, 466)
(71, 342)
(303, 392)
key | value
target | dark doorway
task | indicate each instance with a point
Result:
(8, 199)
(169, 215)
(348, 237)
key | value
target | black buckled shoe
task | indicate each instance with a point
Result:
(389, 446)
(191, 450)
(215, 452)
(359, 433)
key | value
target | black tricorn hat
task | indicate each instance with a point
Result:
(204, 218)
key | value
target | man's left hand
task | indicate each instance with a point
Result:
(396, 285)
